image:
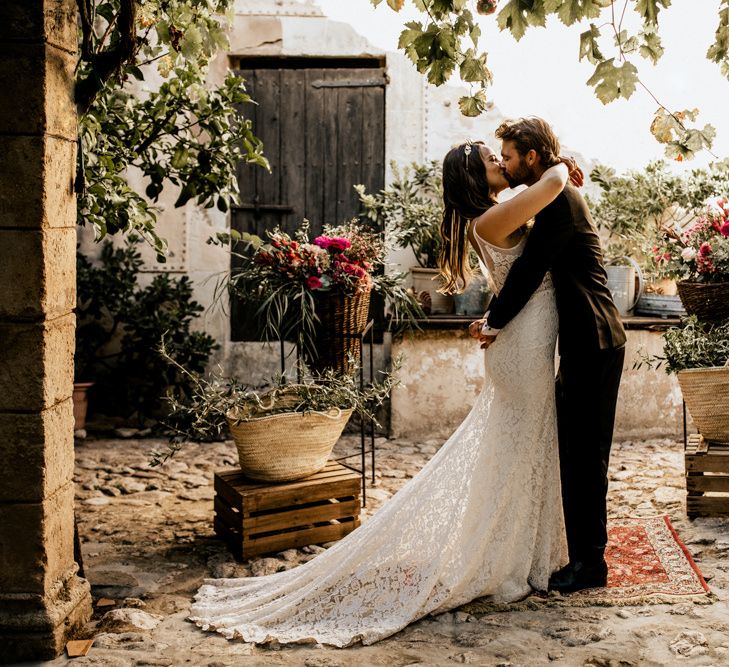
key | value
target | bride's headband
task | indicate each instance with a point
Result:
(467, 151)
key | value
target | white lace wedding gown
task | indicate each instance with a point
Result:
(482, 518)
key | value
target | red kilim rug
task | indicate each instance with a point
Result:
(647, 564)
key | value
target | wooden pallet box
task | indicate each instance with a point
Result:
(707, 477)
(256, 518)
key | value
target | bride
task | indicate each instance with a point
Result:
(484, 516)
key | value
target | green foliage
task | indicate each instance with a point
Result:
(120, 326)
(694, 344)
(633, 205)
(410, 210)
(436, 46)
(183, 135)
(204, 416)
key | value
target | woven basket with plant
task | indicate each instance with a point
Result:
(698, 352)
(282, 433)
(276, 443)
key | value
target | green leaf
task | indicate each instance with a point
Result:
(515, 17)
(625, 43)
(588, 45)
(572, 11)
(472, 68)
(412, 31)
(475, 34)
(440, 71)
(611, 82)
(135, 72)
(648, 9)
(473, 105)
(651, 47)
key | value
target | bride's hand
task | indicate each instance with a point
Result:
(474, 329)
(576, 176)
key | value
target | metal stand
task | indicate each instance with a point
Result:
(367, 333)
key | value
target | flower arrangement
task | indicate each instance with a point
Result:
(342, 259)
(284, 277)
(699, 251)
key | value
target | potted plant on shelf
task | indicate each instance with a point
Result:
(698, 352)
(317, 292)
(411, 209)
(697, 256)
(282, 433)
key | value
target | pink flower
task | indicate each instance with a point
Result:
(705, 249)
(333, 243)
(725, 229)
(312, 283)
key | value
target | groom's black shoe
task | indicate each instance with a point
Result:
(578, 575)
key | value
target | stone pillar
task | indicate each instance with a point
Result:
(42, 599)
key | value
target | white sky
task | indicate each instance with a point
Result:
(540, 75)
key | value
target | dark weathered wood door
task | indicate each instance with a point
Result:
(323, 131)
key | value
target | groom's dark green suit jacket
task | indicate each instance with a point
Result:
(564, 241)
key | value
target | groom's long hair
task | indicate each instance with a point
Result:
(466, 195)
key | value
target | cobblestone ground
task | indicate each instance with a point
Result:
(148, 542)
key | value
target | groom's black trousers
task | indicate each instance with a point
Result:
(587, 392)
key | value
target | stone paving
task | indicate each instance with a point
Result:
(147, 543)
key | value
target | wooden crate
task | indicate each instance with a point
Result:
(707, 477)
(263, 517)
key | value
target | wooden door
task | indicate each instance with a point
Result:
(323, 131)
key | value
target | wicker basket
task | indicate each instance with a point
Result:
(288, 445)
(708, 301)
(704, 390)
(341, 320)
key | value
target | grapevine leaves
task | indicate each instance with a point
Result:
(682, 143)
(436, 48)
(719, 51)
(518, 15)
(589, 47)
(611, 81)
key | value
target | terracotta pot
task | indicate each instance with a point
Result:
(80, 404)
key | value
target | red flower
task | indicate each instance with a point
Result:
(705, 249)
(725, 229)
(312, 283)
(333, 243)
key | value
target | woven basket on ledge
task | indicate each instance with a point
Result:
(705, 390)
(708, 301)
(288, 445)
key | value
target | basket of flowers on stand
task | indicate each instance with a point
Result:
(316, 292)
(697, 256)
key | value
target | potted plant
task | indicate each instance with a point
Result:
(698, 352)
(411, 209)
(317, 292)
(282, 433)
(697, 255)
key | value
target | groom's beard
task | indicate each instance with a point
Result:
(523, 174)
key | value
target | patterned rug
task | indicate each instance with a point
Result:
(647, 564)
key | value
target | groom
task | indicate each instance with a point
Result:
(564, 241)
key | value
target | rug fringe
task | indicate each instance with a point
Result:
(534, 602)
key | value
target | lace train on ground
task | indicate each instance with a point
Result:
(483, 517)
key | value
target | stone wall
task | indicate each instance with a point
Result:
(42, 600)
(443, 373)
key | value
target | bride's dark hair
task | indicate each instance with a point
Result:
(466, 195)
